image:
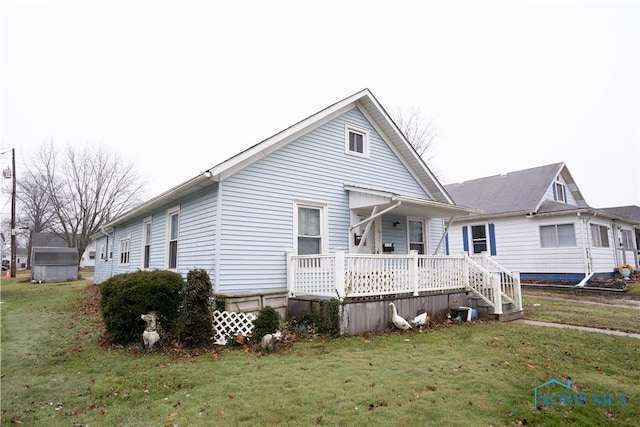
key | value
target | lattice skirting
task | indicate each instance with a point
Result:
(228, 324)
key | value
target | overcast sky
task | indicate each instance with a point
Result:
(179, 86)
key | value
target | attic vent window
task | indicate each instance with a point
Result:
(356, 141)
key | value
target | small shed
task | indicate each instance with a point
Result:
(54, 264)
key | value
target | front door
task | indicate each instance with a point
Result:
(371, 243)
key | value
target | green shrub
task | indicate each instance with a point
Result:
(267, 322)
(124, 297)
(196, 321)
(322, 318)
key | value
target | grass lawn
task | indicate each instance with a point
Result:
(56, 373)
(594, 311)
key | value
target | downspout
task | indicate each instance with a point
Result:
(586, 245)
(444, 234)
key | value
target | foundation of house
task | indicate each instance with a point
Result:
(255, 301)
(371, 314)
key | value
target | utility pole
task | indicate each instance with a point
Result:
(13, 214)
(11, 173)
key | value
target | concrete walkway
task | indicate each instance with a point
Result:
(579, 328)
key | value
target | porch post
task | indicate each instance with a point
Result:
(497, 293)
(413, 271)
(517, 291)
(291, 273)
(465, 270)
(339, 273)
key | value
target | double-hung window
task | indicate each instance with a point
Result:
(479, 238)
(599, 236)
(356, 141)
(310, 220)
(173, 223)
(146, 243)
(557, 235)
(125, 250)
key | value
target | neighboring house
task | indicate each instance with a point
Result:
(628, 249)
(536, 221)
(344, 180)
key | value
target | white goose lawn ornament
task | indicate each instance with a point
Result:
(398, 321)
(420, 319)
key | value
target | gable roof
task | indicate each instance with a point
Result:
(630, 212)
(50, 240)
(516, 192)
(367, 104)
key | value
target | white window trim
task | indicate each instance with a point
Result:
(365, 140)
(122, 240)
(170, 213)
(147, 220)
(425, 234)
(486, 238)
(560, 191)
(557, 238)
(324, 223)
(596, 240)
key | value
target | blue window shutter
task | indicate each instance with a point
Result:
(555, 193)
(446, 244)
(492, 239)
(564, 191)
(465, 239)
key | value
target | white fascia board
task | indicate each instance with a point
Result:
(275, 142)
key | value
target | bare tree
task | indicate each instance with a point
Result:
(85, 188)
(418, 131)
(34, 207)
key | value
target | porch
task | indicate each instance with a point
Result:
(412, 281)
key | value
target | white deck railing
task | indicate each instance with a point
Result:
(342, 275)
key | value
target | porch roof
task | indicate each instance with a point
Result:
(363, 199)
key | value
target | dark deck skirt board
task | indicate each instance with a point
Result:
(368, 315)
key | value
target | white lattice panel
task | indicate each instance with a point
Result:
(231, 323)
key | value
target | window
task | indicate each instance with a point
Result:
(146, 243)
(125, 244)
(627, 239)
(356, 141)
(479, 238)
(416, 236)
(173, 216)
(310, 228)
(559, 192)
(309, 236)
(599, 236)
(554, 236)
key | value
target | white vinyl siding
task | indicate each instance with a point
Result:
(257, 211)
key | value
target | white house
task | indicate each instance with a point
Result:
(536, 221)
(290, 215)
